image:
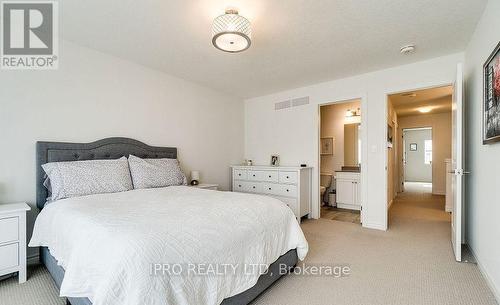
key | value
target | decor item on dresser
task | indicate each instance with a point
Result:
(327, 146)
(275, 160)
(491, 103)
(292, 185)
(248, 162)
(13, 239)
(195, 177)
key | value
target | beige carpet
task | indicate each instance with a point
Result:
(412, 263)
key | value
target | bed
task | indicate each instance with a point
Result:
(114, 148)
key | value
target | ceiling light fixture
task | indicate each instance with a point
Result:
(231, 32)
(425, 109)
(407, 50)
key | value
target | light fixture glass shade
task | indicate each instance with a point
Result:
(231, 32)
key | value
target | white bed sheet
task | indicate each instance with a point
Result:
(109, 244)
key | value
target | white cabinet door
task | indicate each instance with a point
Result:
(345, 194)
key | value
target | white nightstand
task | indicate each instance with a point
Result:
(13, 239)
(207, 186)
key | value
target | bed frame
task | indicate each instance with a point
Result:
(114, 148)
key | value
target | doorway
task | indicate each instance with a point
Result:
(419, 146)
(417, 158)
(340, 154)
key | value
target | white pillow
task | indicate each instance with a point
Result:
(79, 178)
(150, 173)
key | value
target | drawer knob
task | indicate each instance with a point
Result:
(254, 175)
(253, 186)
(239, 174)
(269, 188)
(287, 190)
(239, 185)
(269, 176)
(287, 177)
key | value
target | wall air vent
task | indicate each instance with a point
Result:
(282, 105)
(300, 101)
(291, 103)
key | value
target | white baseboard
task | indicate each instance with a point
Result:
(390, 204)
(486, 276)
(376, 226)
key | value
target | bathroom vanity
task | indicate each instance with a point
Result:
(348, 184)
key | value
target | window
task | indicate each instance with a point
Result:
(428, 151)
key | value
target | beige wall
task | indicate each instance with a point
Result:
(441, 136)
(332, 125)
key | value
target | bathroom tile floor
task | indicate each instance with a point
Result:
(338, 214)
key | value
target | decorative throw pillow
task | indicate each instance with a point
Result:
(79, 178)
(150, 173)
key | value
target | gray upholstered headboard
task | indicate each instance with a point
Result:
(110, 148)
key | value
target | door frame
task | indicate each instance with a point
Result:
(364, 152)
(387, 94)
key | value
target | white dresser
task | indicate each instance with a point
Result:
(13, 239)
(348, 190)
(292, 185)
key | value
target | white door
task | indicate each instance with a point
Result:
(457, 156)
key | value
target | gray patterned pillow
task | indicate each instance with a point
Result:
(149, 173)
(79, 178)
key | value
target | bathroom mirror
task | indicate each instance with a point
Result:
(352, 144)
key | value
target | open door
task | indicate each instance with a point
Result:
(457, 159)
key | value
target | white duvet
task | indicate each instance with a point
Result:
(110, 244)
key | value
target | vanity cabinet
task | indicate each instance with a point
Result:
(348, 190)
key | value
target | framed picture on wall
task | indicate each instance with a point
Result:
(275, 160)
(491, 103)
(413, 146)
(326, 146)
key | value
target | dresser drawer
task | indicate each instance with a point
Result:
(240, 174)
(286, 190)
(240, 186)
(254, 187)
(255, 175)
(271, 189)
(270, 176)
(288, 177)
(9, 255)
(292, 204)
(9, 229)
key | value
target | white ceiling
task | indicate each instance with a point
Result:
(294, 43)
